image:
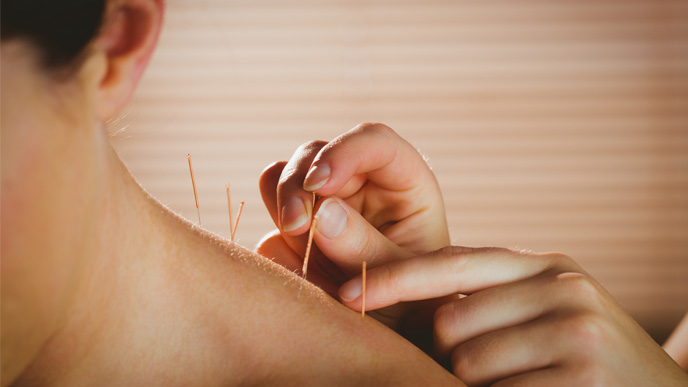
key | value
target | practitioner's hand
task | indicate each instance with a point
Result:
(529, 319)
(379, 202)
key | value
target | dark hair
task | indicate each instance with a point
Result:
(60, 29)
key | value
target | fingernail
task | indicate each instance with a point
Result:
(351, 290)
(294, 214)
(317, 177)
(331, 218)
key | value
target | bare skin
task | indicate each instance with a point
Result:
(101, 284)
(168, 294)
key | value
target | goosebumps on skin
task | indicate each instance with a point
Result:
(101, 284)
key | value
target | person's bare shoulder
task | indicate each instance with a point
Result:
(312, 340)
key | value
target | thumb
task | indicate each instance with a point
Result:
(346, 238)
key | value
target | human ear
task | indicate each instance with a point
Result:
(127, 40)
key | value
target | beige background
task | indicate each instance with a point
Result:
(551, 125)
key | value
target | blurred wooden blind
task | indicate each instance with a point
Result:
(551, 125)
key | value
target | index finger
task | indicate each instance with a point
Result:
(447, 271)
(388, 160)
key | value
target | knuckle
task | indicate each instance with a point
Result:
(453, 258)
(270, 176)
(462, 361)
(443, 322)
(309, 146)
(587, 330)
(561, 260)
(578, 285)
(558, 256)
(367, 247)
(374, 128)
(273, 167)
(388, 279)
(595, 375)
(449, 318)
(368, 125)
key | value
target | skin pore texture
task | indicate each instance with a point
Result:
(103, 284)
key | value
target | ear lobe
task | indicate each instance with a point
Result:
(127, 40)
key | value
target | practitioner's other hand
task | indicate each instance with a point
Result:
(378, 201)
(529, 319)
